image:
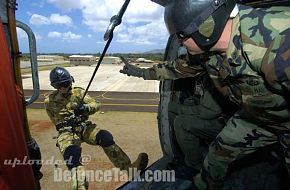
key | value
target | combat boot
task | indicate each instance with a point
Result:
(78, 178)
(140, 163)
(120, 159)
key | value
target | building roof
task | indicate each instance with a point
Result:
(85, 56)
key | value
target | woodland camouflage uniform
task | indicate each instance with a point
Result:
(194, 110)
(172, 70)
(254, 73)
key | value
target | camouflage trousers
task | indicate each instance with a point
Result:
(238, 139)
(87, 133)
(69, 137)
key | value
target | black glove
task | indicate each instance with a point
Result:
(131, 70)
(82, 109)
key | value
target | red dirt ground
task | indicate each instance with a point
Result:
(135, 132)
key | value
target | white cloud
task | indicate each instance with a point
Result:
(61, 19)
(71, 36)
(64, 36)
(100, 42)
(54, 34)
(28, 13)
(21, 33)
(38, 36)
(39, 4)
(142, 22)
(97, 13)
(89, 35)
(149, 34)
(38, 20)
(66, 5)
(53, 19)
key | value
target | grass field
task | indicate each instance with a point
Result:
(135, 132)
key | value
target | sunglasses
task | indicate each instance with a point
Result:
(64, 84)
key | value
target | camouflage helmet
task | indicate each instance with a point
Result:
(202, 20)
(60, 77)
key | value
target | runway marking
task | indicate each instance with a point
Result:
(130, 99)
(145, 105)
(102, 95)
(150, 99)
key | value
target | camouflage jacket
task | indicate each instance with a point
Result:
(172, 70)
(256, 65)
(59, 107)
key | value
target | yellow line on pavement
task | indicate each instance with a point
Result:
(149, 99)
(132, 99)
(144, 105)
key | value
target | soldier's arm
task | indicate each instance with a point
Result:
(94, 105)
(170, 70)
(176, 66)
(50, 112)
(160, 72)
(276, 64)
(180, 68)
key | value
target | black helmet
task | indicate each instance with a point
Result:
(60, 77)
(184, 17)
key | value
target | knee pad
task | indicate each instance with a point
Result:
(104, 138)
(72, 156)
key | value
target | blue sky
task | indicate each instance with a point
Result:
(69, 26)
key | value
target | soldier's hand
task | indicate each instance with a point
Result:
(82, 109)
(131, 70)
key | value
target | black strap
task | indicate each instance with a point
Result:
(193, 26)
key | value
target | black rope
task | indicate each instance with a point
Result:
(115, 21)
(96, 69)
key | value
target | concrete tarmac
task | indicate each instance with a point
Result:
(113, 101)
(116, 91)
(108, 78)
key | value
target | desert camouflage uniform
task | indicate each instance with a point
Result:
(59, 108)
(256, 69)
